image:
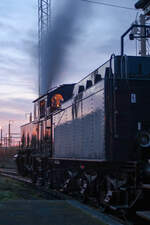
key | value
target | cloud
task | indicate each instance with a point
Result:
(26, 46)
(83, 37)
(6, 27)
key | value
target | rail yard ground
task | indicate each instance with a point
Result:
(23, 205)
(6, 157)
(20, 205)
(43, 212)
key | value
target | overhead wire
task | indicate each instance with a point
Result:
(107, 4)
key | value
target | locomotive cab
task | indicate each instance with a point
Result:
(128, 124)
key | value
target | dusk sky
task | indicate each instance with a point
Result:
(97, 36)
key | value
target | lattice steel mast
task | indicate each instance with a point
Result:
(44, 19)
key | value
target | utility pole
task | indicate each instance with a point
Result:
(9, 133)
(145, 6)
(6, 141)
(44, 20)
(1, 131)
(143, 34)
(1, 137)
(30, 116)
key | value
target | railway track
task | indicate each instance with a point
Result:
(141, 218)
(13, 175)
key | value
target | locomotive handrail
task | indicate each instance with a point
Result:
(111, 57)
(130, 28)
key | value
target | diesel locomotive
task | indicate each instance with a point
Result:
(92, 138)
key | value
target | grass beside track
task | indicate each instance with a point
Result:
(13, 190)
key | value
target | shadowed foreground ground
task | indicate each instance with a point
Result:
(21, 206)
(43, 213)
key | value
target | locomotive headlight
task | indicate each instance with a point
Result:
(144, 139)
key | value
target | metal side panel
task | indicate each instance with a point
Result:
(63, 130)
(81, 135)
(99, 125)
(93, 126)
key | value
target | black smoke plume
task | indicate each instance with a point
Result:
(64, 32)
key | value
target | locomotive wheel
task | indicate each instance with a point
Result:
(49, 179)
(101, 192)
(70, 182)
(83, 188)
(46, 180)
(66, 187)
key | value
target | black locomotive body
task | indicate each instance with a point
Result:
(93, 137)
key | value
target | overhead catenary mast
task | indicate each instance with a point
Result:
(145, 6)
(44, 20)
